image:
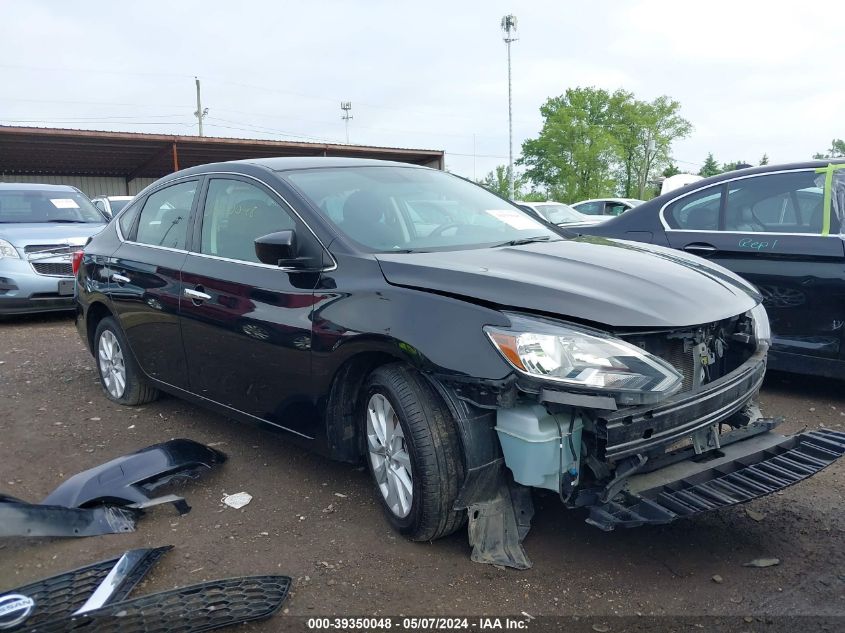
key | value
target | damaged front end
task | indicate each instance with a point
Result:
(692, 439)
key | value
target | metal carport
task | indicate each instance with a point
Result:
(123, 163)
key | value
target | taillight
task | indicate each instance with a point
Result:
(76, 261)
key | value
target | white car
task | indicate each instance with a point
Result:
(606, 206)
(559, 213)
(110, 205)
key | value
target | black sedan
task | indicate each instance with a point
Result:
(779, 227)
(465, 359)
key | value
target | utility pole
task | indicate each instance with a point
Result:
(509, 30)
(200, 113)
(346, 106)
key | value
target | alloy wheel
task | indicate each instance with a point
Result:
(389, 456)
(112, 365)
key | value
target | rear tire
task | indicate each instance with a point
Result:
(418, 444)
(120, 376)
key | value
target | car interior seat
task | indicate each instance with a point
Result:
(364, 221)
(703, 219)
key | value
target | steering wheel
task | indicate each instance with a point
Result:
(445, 227)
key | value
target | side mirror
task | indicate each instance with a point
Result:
(276, 249)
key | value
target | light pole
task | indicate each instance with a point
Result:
(201, 112)
(346, 106)
(509, 31)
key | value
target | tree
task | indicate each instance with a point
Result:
(737, 164)
(710, 167)
(764, 160)
(573, 156)
(660, 124)
(837, 150)
(671, 170)
(497, 182)
(594, 143)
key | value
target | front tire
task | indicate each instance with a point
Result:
(413, 453)
(119, 374)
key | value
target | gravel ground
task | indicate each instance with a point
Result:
(318, 521)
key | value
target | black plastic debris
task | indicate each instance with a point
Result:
(738, 481)
(94, 598)
(19, 518)
(109, 499)
(204, 607)
(132, 478)
(62, 595)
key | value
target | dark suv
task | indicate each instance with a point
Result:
(405, 316)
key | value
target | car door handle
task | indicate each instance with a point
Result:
(700, 248)
(121, 279)
(196, 295)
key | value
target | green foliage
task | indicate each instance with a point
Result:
(671, 170)
(837, 150)
(594, 142)
(497, 182)
(737, 164)
(764, 160)
(710, 167)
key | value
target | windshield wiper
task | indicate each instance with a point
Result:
(68, 222)
(525, 240)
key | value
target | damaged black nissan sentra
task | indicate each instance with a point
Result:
(465, 350)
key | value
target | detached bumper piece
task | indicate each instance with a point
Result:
(109, 499)
(132, 478)
(748, 477)
(19, 518)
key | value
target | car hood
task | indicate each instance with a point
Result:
(611, 282)
(21, 235)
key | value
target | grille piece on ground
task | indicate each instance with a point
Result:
(203, 607)
(59, 596)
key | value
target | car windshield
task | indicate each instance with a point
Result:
(558, 213)
(117, 205)
(392, 209)
(24, 206)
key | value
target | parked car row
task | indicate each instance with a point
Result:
(40, 227)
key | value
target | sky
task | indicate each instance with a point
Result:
(753, 77)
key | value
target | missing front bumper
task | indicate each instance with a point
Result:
(747, 470)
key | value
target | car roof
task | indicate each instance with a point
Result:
(608, 200)
(29, 186)
(283, 163)
(739, 173)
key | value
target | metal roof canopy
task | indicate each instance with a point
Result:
(43, 151)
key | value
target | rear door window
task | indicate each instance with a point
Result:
(790, 202)
(164, 218)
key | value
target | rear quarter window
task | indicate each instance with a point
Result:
(696, 212)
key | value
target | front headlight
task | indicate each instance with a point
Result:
(762, 329)
(7, 250)
(585, 359)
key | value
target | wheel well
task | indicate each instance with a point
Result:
(342, 429)
(96, 312)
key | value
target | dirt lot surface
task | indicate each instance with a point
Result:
(340, 551)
